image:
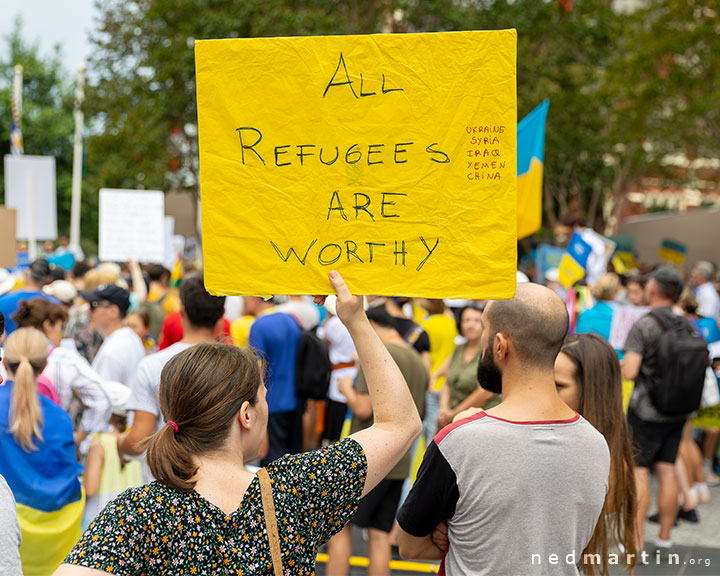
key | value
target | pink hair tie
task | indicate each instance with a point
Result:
(175, 426)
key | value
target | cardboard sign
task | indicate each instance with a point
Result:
(390, 158)
(30, 189)
(131, 225)
(8, 219)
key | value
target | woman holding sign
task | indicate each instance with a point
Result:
(207, 514)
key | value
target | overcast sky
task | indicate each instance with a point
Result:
(50, 22)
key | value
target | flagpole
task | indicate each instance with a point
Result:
(77, 160)
(16, 141)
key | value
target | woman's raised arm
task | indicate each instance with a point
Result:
(396, 420)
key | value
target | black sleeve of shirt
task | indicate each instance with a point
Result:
(422, 344)
(433, 496)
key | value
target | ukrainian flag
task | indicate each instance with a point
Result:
(45, 484)
(530, 157)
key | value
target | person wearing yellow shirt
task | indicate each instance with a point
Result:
(439, 324)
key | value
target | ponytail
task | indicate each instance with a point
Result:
(169, 460)
(26, 352)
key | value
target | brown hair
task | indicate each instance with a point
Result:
(33, 313)
(598, 375)
(26, 352)
(201, 390)
(434, 305)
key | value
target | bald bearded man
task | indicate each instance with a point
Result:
(522, 485)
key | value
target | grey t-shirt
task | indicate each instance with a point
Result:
(518, 497)
(9, 533)
(643, 339)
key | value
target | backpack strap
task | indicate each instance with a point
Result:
(664, 322)
(270, 520)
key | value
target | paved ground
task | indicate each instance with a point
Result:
(697, 547)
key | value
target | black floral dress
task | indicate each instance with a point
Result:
(153, 529)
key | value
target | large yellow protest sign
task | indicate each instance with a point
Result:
(390, 158)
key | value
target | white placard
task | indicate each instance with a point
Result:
(132, 225)
(30, 189)
(622, 320)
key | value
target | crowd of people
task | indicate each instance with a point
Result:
(147, 426)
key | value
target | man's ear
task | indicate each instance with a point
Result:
(501, 345)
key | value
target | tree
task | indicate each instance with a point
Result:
(47, 118)
(143, 76)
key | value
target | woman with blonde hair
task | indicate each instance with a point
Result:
(37, 457)
(598, 319)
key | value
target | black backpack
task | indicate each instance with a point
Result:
(312, 367)
(680, 364)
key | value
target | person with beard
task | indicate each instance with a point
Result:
(504, 475)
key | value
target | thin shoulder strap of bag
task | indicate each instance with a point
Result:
(270, 520)
(664, 322)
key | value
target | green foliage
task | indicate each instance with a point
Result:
(47, 116)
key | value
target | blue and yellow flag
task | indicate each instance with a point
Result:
(673, 251)
(530, 157)
(49, 497)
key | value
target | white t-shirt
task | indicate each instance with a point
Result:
(341, 350)
(709, 301)
(118, 357)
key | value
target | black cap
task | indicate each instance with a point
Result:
(110, 293)
(670, 282)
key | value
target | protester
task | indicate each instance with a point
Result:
(341, 351)
(440, 326)
(161, 299)
(635, 290)
(106, 476)
(122, 349)
(215, 401)
(655, 435)
(200, 313)
(65, 247)
(701, 279)
(10, 536)
(588, 378)
(140, 321)
(376, 511)
(461, 390)
(598, 319)
(275, 335)
(38, 457)
(70, 373)
(36, 276)
(708, 327)
(491, 475)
